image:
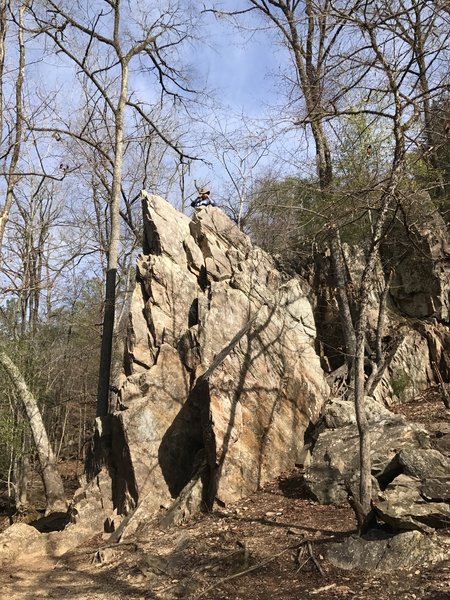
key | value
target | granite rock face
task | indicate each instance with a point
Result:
(221, 377)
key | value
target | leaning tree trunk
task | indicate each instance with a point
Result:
(54, 490)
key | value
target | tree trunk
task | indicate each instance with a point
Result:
(365, 484)
(3, 12)
(54, 490)
(113, 254)
(342, 298)
(21, 478)
(12, 176)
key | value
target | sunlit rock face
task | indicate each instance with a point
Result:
(221, 378)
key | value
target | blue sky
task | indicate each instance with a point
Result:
(235, 66)
(239, 69)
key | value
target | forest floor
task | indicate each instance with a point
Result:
(268, 546)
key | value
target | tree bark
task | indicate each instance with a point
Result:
(113, 253)
(54, 490)
(365, 484)
(348, 328)
(12, 176)
(21, 478)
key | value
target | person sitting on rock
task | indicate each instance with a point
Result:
(203, 199)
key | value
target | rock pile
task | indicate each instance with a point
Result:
(411, 468)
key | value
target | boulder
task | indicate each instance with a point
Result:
(19, 539)
(411, 483)
(21, 542)
(385, 552)
(339, 412)
(417, 462)
(415, 490)
(220, 367)
(442, 442)
(88, 514)
(335, 458)
(404, 506)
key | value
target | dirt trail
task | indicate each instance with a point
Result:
(249, 551)
(204, 558)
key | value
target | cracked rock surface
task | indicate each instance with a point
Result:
(221, 377)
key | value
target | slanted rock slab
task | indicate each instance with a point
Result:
(415, 490)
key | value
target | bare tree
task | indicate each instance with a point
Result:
(404, 91)
(366, 71)
(15, 137)
(239, 152)
(105, 44)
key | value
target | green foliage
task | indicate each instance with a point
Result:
(287, 214)
(360, 158)
(400, 381)
(284, 214)
(359, 154)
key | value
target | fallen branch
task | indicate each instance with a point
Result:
(263, 563)
(314, 559)
(311, 556)
(236, 575)
(325, 588)
(300, 553)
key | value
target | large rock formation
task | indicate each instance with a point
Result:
(221, 376)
